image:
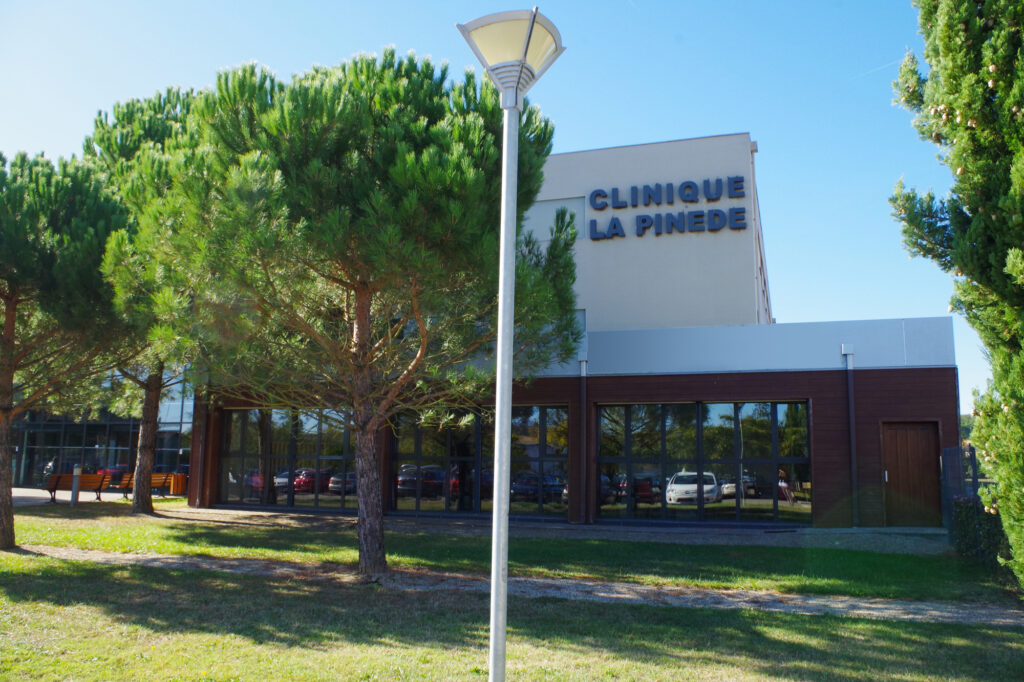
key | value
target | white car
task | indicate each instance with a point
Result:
(682, 489)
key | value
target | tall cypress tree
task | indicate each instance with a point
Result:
(970, 103)
(56, 308)
(347, 224)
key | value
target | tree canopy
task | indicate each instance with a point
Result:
(970, 103)
(133, 148)
(59, 326)
(347, 225)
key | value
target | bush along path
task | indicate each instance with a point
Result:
(597, 591)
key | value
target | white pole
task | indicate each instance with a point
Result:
(503, 395)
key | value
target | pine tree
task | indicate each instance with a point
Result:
(348, 226)
(58, 321)
(134, 148)
(970, 103)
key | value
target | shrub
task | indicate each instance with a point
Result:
(977, 533)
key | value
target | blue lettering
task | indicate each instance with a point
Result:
(738, 218)
(633, 194)
(615, 229)
(595, 234)
(736, 187)
(689, 192)
(695, 221)
(675, 221)
(652, 195)
(643, 223)
(616, 201)
(597, 200)
(657, 223)
(716, 194)
(669, 191)
(716, 220)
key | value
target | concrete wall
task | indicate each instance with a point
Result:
(694, 278)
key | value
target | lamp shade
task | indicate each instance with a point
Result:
(515, 48)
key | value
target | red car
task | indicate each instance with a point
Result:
(305, 481)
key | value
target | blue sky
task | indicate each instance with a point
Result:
(809, 80)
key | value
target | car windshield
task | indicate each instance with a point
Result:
(691, 479)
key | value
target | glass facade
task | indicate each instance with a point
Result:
(452, 469)
(46, 444)
(705, 462)
(286, 458)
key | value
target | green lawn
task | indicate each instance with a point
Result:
(322, 539)
(63, 620)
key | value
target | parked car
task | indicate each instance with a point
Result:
(529, 485)
(343, 483)
(486, 483)
(429, 480)
(682, 488)
(605, 495)
(728, 486)
(645, 488)
(116, 472)
(304, 481)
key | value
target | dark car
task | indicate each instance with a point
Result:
(529, 485)
(342, 483)
(645, 488)
(486, 483)
(428, 480)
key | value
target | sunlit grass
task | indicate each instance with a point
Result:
(74, 620)
(332, 540)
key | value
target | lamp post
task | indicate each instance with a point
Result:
(515, 48)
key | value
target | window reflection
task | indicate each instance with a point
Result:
(656, 461)
(718, 431)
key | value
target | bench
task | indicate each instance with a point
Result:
(86, 482)
(158, 482)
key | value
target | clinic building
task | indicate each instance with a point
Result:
(687, 402)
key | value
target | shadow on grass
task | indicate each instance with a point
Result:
(796, 570)
(320, 615)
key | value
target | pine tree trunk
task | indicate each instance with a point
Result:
(6, 426)
(6, 501)
(373, 562)
(142, 492)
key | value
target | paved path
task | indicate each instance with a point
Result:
(611, 592)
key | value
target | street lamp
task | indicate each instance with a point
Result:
(515, 48)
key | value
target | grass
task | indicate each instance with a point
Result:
(109, 526)
(73, 620)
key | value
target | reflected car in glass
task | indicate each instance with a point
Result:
(430, 480)
(305, 481)
(728, 486)
(606, 493)
(342, 483)
(644, 488)
(486, 483)
(682, 488)
(526, 486)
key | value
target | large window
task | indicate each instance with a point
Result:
(451, 469)
(286, 458)
(45, 444)
(705, 461)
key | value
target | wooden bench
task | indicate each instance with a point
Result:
(86, 482)
(159, 482)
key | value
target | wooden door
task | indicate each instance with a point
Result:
(910, 463)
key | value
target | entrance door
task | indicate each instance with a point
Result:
(910, 461)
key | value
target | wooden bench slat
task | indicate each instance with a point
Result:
(86, 482)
